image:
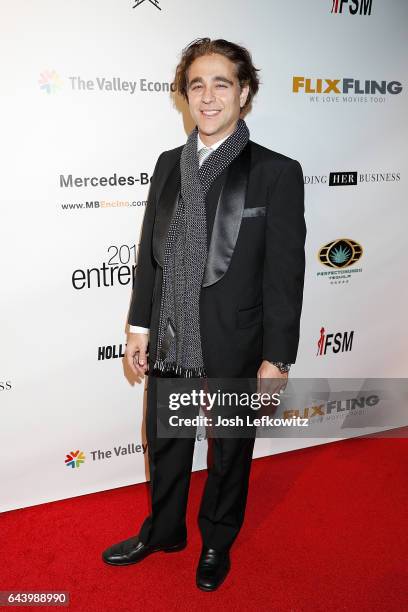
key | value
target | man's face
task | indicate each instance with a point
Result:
(215, 97)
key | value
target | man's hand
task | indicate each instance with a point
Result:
(266, 372)
(136, 353)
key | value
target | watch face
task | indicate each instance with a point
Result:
(282, 367)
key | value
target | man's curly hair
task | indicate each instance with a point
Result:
(245, 70)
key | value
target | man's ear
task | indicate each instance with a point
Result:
(244, 94)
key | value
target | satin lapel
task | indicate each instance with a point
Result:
(227, 219)
(166, 207)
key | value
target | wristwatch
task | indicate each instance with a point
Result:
(282, 367)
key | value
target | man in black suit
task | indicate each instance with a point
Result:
(226, 216)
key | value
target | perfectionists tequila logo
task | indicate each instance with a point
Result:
(340, 253)
(355, 7)
(154, 2)
(50, 81)
(74, 459)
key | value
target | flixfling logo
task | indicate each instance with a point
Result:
(50, 81)
(74, 459)
(360, 7)
(154, 2)
(344, 86)
(335, 343)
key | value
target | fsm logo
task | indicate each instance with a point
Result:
(360, 7)
(154, 2)
(339, 342)
(74, 459)
(340, 253)
(50, 81)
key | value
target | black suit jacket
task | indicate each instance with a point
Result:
(252, 290)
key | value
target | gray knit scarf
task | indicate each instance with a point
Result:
(179, 353)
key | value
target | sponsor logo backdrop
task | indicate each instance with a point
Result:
(87, 107)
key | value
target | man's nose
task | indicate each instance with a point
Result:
(208, 95)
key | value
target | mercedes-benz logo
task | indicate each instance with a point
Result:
(154, 2)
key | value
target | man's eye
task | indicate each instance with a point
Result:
(196, 86)
(221, 85)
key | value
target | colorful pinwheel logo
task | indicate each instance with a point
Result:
(50, 81)
(74, 459)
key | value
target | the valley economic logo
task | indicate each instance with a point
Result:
(74, 459)
(51, 82)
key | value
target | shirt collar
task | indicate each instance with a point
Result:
(214, 146)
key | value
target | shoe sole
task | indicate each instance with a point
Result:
(207, 589)
(168, 549)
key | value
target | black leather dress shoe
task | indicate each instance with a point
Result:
(212, 569)
(133, 550)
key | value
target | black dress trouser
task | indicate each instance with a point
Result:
(223, 504)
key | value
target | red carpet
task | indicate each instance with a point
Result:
(326, 529)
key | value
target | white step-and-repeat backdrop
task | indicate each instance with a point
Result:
(86, 108)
